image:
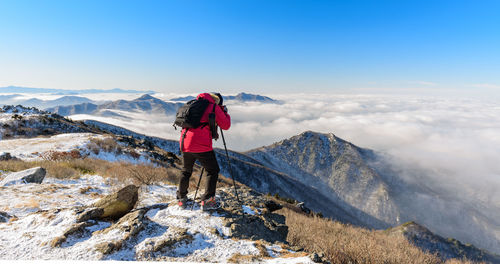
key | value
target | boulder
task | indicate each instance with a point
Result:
(33, 175)
(4, 156)
(4, 217)
(272, 205)
(116, 205)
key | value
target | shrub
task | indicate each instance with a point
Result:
(106, 144)
(61, 155)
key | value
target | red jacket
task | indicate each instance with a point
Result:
(200, 139)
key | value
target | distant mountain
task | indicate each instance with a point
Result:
(242, 97)
(145, 103)
(18, 89)
(62, 101)
(183, 99)
(85, 108)
(8, 99)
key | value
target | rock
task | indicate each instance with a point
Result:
(272, 205)
(33, 175)
(4, 217)
(269, 227)
(108, 247)
(90, 213)
(78, 228)
(215, 231)
(177, 235)
(319, 258)
(4, 156)
(173, 236)
(314, 257)
(117, 204)
(303, 208)
(129, 226)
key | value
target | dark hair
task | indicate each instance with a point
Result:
(220, 98)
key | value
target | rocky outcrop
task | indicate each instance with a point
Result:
(76, 229)
(174, 235)
(112, 206)
(33, 175)
(258, 223)
(129, 226)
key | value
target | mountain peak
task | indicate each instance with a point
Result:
(146, 97)
(251, 97)
(310, 133)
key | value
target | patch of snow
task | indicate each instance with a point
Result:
(248, 210)
(21, 200)
(30, 149)
(300, 260)
(113, 157)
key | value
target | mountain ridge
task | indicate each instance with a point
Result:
(145, 103)
(20, 89)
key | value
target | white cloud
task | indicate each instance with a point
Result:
(487, 85)
(425, 83)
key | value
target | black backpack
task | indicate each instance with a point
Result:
(189, 115)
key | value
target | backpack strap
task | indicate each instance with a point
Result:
(213, 124)
(183, 137)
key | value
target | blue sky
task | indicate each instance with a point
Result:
(255, 46)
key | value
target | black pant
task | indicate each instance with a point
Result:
(209, 162)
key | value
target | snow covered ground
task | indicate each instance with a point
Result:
(30, 149)
(27, 236)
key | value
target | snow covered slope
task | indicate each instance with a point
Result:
(40, 213)
(34, 148)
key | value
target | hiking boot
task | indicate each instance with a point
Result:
(182, 202)
(209, 204)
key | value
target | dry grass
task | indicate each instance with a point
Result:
(29, 203)
(239, 258)
(261, 246)
(74, 168)
(343, 243)
(107, 145)
(61, 155)
(126, 172)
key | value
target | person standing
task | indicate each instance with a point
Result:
(196, 144)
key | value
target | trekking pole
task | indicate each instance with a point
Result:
(197, 187)
(230, 168)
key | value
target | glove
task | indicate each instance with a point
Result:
(224, 108)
